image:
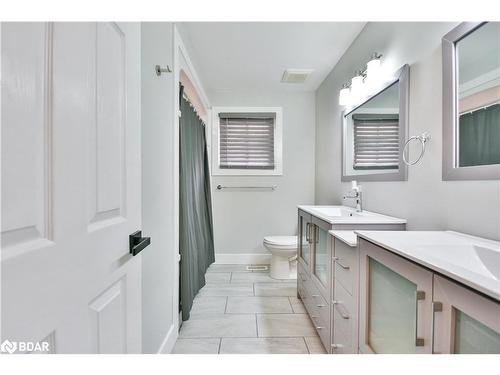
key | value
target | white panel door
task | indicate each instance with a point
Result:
(71, 186)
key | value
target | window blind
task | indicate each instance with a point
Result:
(376, 141)
(246, 141)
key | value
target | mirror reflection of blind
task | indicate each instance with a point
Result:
(376, 141)
(246, 140)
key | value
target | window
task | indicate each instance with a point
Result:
(376, 141)
(247, 140)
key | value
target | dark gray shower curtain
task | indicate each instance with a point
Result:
(479, 141)
(195, 207)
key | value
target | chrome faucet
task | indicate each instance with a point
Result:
(356, 194)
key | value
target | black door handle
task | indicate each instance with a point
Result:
(137, 243)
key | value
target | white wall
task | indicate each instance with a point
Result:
(243, 218)
(158, 272)
(425, 200)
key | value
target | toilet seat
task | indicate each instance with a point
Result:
(282, 242)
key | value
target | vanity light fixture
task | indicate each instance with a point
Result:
(345, 94)
(373, 67)
(363, 82)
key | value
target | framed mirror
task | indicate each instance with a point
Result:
(471, 102)
(374, 132)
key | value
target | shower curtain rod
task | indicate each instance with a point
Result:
(479, 108)
(185, 97)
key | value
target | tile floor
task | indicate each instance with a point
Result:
(247, 312)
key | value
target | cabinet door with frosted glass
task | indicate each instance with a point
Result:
(465, 322)
(305, 240)
(395, 303)
(322, 257)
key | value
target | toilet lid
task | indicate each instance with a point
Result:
(281, 240)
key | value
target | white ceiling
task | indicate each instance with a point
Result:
(253, 55)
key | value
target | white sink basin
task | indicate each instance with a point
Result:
(490, 259)
(470, 260)
(334, 211)
(342, 217)
(477, 259)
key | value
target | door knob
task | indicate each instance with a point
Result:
(137, 243)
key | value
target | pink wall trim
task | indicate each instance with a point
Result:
(480, 99)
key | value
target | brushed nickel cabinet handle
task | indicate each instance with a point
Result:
(419, 296)
(344, 315)
(436, 307)
(341, 265)
(337, 260)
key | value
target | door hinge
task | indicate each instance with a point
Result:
(420, 295)
(419, 341)
(437, 306)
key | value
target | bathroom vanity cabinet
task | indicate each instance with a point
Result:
(320, 257)
(376, 291)
(405, 307)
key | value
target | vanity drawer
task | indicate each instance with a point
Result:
(342, 307)
(311, 297)
(342, 342)
(322, 307)
(344, 276)
(323, 329)
(345, 253)
(345, 263)
(309, 300)
(322, 323)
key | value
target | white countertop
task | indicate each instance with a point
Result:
(346, 236)
(348, 215)
(470, 260)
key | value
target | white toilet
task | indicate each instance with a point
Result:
(284, 256)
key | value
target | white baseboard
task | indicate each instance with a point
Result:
(169, 341)
(242, 258)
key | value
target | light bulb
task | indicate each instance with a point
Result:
(373, 68)
(357, 90)
(373, 71)
(344, 95)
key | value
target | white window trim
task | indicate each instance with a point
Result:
(278, 142)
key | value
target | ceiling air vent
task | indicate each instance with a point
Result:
(296, 75)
